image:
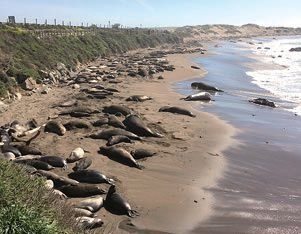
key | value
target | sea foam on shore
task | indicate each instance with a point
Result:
(285, 81)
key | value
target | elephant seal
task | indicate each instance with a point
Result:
(107, 133)
(58, 180)
(92, 204)
(82, 164)
(82, 212)
(138, 98)
(49, 184)
(203, 86)
(28, 150)
(36, 164)
(67, 103)
(54, 161)
(203, 96)
(263, 102)
(59, 194)
(28, 157)
(134, 124)
(119, 155)
(81, 190)
(76, 155)
(176, 110)
(88, 222)
(80, 112)
(114, 109)
(77, 124)
(55, 127)
(11, 149)
(117, 205)
(113, 140)
(115, 122)
(8, 156)
(100, 122)
(90, 176)
(142, 153)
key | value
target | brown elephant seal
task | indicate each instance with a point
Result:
(92, 204)
(118, 139)
(114, 109)
(176, 110)
(76, 154)
(58, 193)
(67, 103)
(142, 153)
(100, 122)
(28, 150)
(78, 212)
(138, 98)
(90, 176)
(134, 124)
(118, 205)
(77, 124)
(11, 149)
(205, 87)
(55, 127)
(81, 190)
(82, 164)
(107, 133)
(54, 161)
(263, 102)
(88, 222)
(119, 155)
(115, 122)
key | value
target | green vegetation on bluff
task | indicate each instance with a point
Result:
(24, 54)
(26, 206)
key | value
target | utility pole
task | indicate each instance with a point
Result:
(36, 21)
(69, 23)
(54, 22)
(109, 24)
(63, 23)
(45, 21)
(24, 21)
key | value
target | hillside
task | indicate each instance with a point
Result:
(221, 31)
(31, 52)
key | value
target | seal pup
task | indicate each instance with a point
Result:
(114, 109)
(54, 161)
(113, 140)
(142, 153)
(77, 124)
(138, 98)
(115, 122)
(36, 164)
(82, 212)
(117, 205)
(76, 154)
(55, 127)
(28, 150)
(88, 222)
(11, 149)
(119, 155)
(134, 124)
(82, 164)
(176, 110)
(90, 176)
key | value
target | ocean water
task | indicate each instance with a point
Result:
(284, 81)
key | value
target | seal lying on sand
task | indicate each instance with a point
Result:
(78, 212)
(93, 204)
(134, 124)
(81, 190)
(54, 161)
(118, 139)
(203, 86)
(77, 124)
(82, 164)
(58, 180)
(203, 96)
(55, 127)
(107, 133)
(114, 109)
(119, 155)
(25, 150)
(90, 176)
(176, 110)
(88, 222)
(80, 112)
(142, 153)
(117, 205)
(138, 98)
(75, 155)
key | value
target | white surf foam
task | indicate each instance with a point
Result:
(285, 82)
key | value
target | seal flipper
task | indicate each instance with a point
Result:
(133, 213)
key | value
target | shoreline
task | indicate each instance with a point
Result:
(170, 192)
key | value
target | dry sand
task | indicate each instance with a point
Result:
(169, 193)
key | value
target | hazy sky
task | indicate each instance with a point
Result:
(157, 12)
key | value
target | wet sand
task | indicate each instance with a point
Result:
(170, 192)
(259, 191)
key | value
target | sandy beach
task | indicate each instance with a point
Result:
(169, 193)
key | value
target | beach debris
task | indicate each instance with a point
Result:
(176, 110)
(203, 96)
(195, 67)
(205, 87)
(263, 102)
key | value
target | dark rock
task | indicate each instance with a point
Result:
(297, 49)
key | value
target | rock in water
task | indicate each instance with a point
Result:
(263, 102)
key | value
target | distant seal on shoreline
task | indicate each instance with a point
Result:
(176, 110)
(203, 96)
(117, 205)
(203, 86)
(119, 155)
(114, 140)
(107, 133)
(138, 98)
(134, 124)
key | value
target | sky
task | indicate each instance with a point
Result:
(156, 13)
